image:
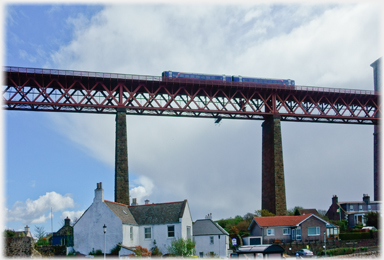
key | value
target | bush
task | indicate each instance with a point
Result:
(116, 249)
(182, 247)
(98, 252)
(9, 233)
(354, 236)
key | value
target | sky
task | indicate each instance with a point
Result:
(52, 161)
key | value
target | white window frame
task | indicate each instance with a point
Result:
(146, 233)
(286, 231)
(317, 230)
(270, 232)
(369, 207)
(171, 231)
(350, 207)
(298, 233)
(360, 207)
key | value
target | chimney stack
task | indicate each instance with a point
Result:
(67, 222)
(99, 193)
(335, 199)
(146, 202)
(134, 202)
(366, 198)
(209, 216)
(26, 230)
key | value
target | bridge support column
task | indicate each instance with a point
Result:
(273, 184)
(376, 136)
(121, 159)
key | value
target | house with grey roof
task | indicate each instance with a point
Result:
(211, 239)
(130, 226)
(352, 211)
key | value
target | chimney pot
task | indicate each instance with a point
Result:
(146, 202)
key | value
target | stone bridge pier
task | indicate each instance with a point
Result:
(273, 183)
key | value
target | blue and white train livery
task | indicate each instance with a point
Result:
(183, 75)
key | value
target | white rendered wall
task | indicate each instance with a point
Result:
(160, 234)
(186, 221)
(88, 231)
(127, 241)
(219, 247)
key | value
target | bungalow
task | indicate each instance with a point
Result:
(288, 228)
(130, 226)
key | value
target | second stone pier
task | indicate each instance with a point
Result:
(273, 184)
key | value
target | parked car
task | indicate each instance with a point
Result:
(232, 255)
(304, 253)
(370, 228)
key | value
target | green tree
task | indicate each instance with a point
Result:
(372, 219)
(263, 213)
(182, 247)
(9, 233)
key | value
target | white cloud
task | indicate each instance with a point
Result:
(143, 188)
(218, 167)
(38, 211)
(72, 215)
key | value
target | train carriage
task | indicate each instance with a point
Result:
(184, 75)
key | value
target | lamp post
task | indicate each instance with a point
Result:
(325, 245)
(105, 239)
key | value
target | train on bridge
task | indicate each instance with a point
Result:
(183, 75)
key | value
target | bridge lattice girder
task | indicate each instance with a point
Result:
(91, 92)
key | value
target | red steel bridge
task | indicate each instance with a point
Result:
(93, 92)
(121, 94)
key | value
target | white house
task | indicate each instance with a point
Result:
(210, 238)
(136, 225)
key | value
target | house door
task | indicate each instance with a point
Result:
(293, 234)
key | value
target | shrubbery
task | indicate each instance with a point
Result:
(355, 236)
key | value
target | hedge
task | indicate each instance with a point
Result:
(355, 236)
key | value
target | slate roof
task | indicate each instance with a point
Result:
(308, 211)
(148, 214)
(159, 213)
(204, 227)
(122, 212)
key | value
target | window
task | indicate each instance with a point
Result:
(271, 232)
(189, 236)
(147, 233)
(369, 207)
(286, 231)
(298, 234)
(360, 207)
(131, 233)
(171, 231)
(313, 231)
(211, 239)
(350, 207)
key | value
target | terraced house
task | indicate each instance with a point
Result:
(131, 226)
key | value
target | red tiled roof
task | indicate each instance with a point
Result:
(280, 220)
